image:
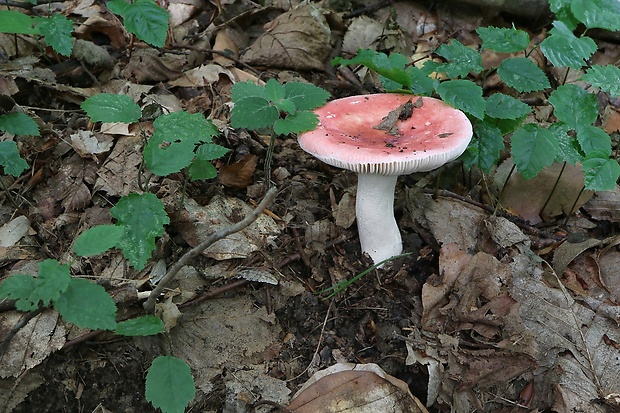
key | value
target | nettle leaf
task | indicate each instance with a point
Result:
(305, 96)
(56, 30)
(464, 95)
(484, 150)
(87, 305)
(97, 239)
(574, 106)
(602, 14)
(600, 172)
(502, 106)
(253, 113)
(12, 21)
(108, 107)
(143, 218)
(532, 149)
(461, 59)
(10, 160)
(389, 67)
(19, 124)
(569, 149)
(169, 384)
(147, 21)
(503, 39)
(605, 77)
(296, 123)
(563, 48)
(522, 74)
(593, 139)
(147, 325)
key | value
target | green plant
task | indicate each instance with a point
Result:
(573, 138)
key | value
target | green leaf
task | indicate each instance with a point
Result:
(183, 125)
(10, 160)
(563, 48)
(605, 77)
(389, 67)
(298, 122)
(600, 172)
(19, 287)
(143, 218)
(502, 106)
(169, 384)
(305, 96)
(421, 83)
(147, 21)
(201, 167)
(253, 113)
(569, 149)
(148, 325)
(461, 59)
(274, 91)
(522, 74)
(602, 14)
(503, 39)
(484, 150)
(87, 305)
(97, 239)
(117, 6)
(19, 124)
(563, 12)
(12, 21)
(593, 139)
(242, 90)
(574, 106)
(508, 125)
(464, 95)
(532, 149)
(211, 151)
(107, 107)
(56, 30)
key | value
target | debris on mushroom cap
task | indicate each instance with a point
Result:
(347, 136)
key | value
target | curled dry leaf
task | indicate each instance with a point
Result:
(88, 144)
(239, 174)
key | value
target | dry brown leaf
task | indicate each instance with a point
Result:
(225, 43)
(68, 185)
(119, 174)
(239, 174)
(88, 144)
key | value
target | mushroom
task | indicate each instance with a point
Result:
(382, 136)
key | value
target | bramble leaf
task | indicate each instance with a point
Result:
(563, 12)
(143, 218)
(108, 107)
(305, 96)
(169, 384)
(19, 287)
(532, 149)
(484, 150)
(147, 21)
(56, 31)
(10, 160)
(298, 122)
(601, 14)
(12, 21)
(242, 90)
(502, 106)
(593, 139)
(19, 124)
(574, 106)
(563, 48)
(503, 39)
(569, 149)
(97, 239)
(605, 77)
(461, 59)
(87, 305)
(600, 172)
(253, 113)
(464, 95)
(147, 325)
(201, 167)
(389, 67)
(522, 74)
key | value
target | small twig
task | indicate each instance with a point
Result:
(149, 305)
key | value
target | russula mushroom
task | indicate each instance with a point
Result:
(382, 136)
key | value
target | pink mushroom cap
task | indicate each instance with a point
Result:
(434, 135)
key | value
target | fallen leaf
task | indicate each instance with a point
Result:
(239, 174)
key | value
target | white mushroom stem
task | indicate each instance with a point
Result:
(374, 207)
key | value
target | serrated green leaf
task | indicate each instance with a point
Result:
(148, 325)
(97, 239)
(502, 106)
(117, 6)
(522, 74)
(602, 14)
(253, 113)
(593, 139)
(211, 151)
(298, 122)
(563, 12)
(242, 90)
(532, 149)
(19, 124)
(201, 169)
(574, 106)
(600, 172)
(388, 67)
(563, 48)
(164, 157)
(461, 59)
(147, 21)
(569, 150)
(305, 96)
(274, 91)
(421, 83)
(503, 39)
(87, 305)
(508, 125)
(19, 287)
(143, 218)
(183, 125)
(464, 95)
(169, 384)
(484, 150)
(605, 77)
(107, 107)
(10, 160)
(12, 21)
(56, 31)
